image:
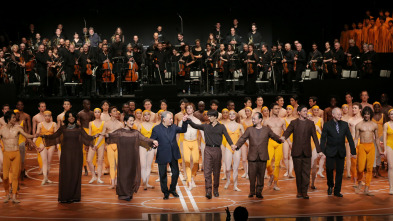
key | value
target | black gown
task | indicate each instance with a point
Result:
(71, 160)
(129, 167)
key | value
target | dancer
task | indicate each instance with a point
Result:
(367, 132)
(190, 147)
(242, 112)
(21, 143)
(95, 128)
(37, 119)
(258, 137)
(275, 149)
(146, 155)
(388, 144)
(9, 134)
(105, 116)
(352, 122)
(318, 121)
(314, 157)
(235, 130)
(224, 120)
(379, 119)
(128, 142)
(72, 138)
(247, 122)
(110, 126)
(46, 127)
(84, 117)
(288, 144)
(147, 104)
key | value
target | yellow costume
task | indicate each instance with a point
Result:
(366, 156)
(235, 135)
(96, 130)
(11, 161)
(38, 142)
(112, 159)
(389, 137)
(276, 152)
(380, 126)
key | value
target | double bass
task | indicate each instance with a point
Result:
(108, 75)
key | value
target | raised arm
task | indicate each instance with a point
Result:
(28, 136)
(196, 126)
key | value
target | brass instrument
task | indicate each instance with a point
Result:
(250, 40)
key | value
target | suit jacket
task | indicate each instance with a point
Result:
(302, 131)
(258, 142)
(167, 144)
(333, 143)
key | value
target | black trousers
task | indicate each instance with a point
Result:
(288, 80)
(162, 168)
(256, 173)
(278, 77)
(338, 163)
(302, 167)
(87, 82)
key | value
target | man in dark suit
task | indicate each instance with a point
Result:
(258, 137)
(168, 150)
(302, 130)
(333, 137)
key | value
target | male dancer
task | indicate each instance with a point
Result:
(259, 103)
(24, 116)
(38, 118)
(367, 132)
(12, 158)
(242, 112)
(84, 117)
(352, 122)
(5, 109)
(190, 147)
(364, 97)
(282, 112)
(199, 113)
(278, 126)
(258, 137)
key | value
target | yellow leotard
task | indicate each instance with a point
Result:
(234, 135)
(224, 140)
(389, 137)
(319, 124)
(45, 131)
(21, 139)
(286, 125)
(96, 130)
(147, 133)
(245, 126)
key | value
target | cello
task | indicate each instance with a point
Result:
(108, 76)
(132, 75)
(182, 71)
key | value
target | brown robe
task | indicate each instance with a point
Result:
(365, 34)
(359, 38)
(129, 166)
(344, 40)
(71, 160)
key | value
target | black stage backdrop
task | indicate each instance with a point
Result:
(306, 21)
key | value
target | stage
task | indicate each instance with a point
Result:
(99, 203)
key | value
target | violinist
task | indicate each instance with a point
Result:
(77, 42)
(185, 64)
(208, 67)
(71, 58)
(264, 63)
(212, 41)
(3, 68)
(87, 63)
(367, 59)
(180, 39)
(301, 60)
(327, 62)
(251, 73)
(54, 68)
(277, 57)
(197, 52)
(338, 60)
(351, 55)
(135, 42)
(231, 62)
(159, 60)
(314, 58)
(43, 63)
(288, 61)
(17, 68)
(222, 67)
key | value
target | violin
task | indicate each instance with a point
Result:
(325, 67)
(50, 72)
(30, 64)
(349, 61)
(131, 74)
(285, 65)
(89, 71)
(294, 64)
(108, 75)
(314, 66)
(334, 67)
(4, 75)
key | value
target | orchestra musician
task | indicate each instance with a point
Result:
(71, 58)
(180, 39)
(314, 59)
(301, 60)
(43, 62)
(159, 60)
(160, 33)
(186, 61)
(368, 60)
(87, 58)
(119, 32)
(351, 55)
(17, 68)
(289, 62)
(254, 36)
(338, 60)
(208, 74)
(264, 64)
(212, 40)
(217, 34)
(251, 60)
(77, 42)
(277, 56)
(56, 39)
(222, 59)
(327, 62)
(233, 39)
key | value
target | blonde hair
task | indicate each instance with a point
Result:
(14, 46)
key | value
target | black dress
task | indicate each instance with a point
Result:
(71, 160)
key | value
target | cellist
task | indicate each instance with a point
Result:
(104, 57)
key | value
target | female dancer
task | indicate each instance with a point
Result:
(95, 128)
(244, 149)
(146, 156)
(286, 147)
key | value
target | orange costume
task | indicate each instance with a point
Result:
(366, 155)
